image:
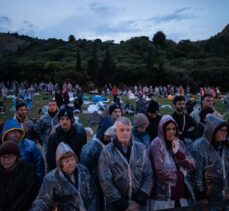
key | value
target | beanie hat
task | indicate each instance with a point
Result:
(153, 107)
(110, 131)
(9, 147)
(66, 112)
(113, 107)
(140, 119)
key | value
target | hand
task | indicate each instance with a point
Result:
(175, 145)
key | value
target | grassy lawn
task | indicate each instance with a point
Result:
(41, 100)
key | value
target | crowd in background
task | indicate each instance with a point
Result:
(153, 162)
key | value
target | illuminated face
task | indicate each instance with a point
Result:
(8, 160)
(180, 106)
(221, 134)
(52, 106)
(13, 135)
(170, 131)
(142, 129)
(123, 133)
(65, 123)
(68, 164)
(207, 102)
(22, 111)
(116, 113)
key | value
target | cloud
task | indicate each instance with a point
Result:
(5, 23)
(177, 15)
(121, 27)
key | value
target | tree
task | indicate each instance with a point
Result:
(93, 65)
(159, 38)
(71, 38)
(78, 60)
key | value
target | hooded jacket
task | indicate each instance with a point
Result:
(164, 165)
(45, 126)
(121, 180)
(59, 192)
(211, 178)
(29, 152)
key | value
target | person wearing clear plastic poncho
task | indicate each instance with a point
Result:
(125, 172)
(171, 162)
(68, 187)
(211, 151)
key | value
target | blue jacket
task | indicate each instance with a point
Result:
(143, 138)
(104, 124)
(29, 152)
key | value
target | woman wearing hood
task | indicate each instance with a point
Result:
(67, 187)
(211, 177)
(171, 162)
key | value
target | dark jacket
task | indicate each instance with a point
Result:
(152, 129)
(186, 126)
(90, 158)
(123, 178)
(104, 124)
(17, 189)
(75, 138)
(211, 178)
(143, 138)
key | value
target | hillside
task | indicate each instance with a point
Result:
(153, 60)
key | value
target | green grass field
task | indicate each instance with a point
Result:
(41, 100)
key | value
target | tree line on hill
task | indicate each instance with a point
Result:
(153, 61)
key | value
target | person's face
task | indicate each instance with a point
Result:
(8, 160)
(13, 135)
(142, 129)
(65, 123)
(170, 132)
(106, 139)
(123, 133)
(116, 113)
(207, 102)
(221, 134)
(180, 106)
(52, 107)
(68, 164)
(22, 111)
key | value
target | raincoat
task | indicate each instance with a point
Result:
(166, 166)
(123, 180)
(211, 177)
(59, 192)
(45, 126)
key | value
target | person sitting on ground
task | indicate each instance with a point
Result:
(67, 187)
(17, 179)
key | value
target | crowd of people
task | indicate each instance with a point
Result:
(153, 162)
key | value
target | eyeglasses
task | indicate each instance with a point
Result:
(223, 130)
(7, 157)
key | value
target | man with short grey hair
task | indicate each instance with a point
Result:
(125, 172)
